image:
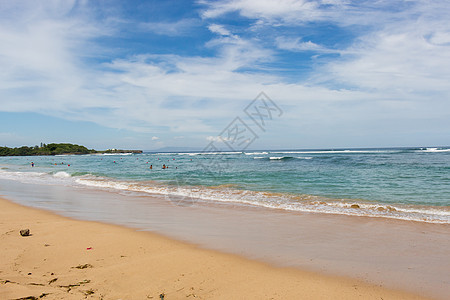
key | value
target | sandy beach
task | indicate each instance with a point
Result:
(69, 259)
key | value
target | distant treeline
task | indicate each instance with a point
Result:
(56, 149)
(43, 149)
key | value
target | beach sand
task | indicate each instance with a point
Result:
(69, 259)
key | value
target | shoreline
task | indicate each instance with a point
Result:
(119, 262)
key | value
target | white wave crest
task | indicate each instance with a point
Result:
(61, 174)
(435, 150)
(37, 177)
(333, 151)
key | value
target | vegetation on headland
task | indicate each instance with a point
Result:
(50, 149)
(120, 151)
(56, 149)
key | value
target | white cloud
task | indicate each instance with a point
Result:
(403, 49)
(341, 12)
(41, 54)
(295, 44)
(219, 139)
(398, 59)
(178, 28)
(440, 38)
(213, 139)
(155, 138)
(219, 29)
(268, 10)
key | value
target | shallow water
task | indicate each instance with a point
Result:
(408, 184)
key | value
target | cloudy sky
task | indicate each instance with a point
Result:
(150, 74)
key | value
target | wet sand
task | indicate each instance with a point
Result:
(70, 259)
(409, 256)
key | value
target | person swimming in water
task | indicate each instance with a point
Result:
(164, 166)
(32, 164)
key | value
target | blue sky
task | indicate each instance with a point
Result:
(151, 74)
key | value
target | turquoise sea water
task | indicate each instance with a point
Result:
(410, 184)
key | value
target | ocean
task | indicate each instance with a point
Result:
(396, 183)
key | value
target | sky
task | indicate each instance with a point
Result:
(153, 74)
